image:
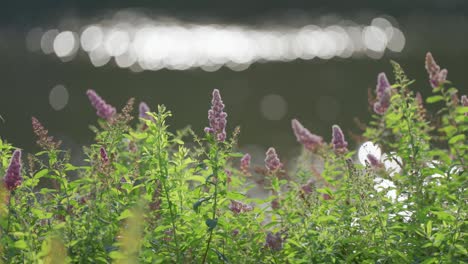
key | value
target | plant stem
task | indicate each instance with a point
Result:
(215, 203)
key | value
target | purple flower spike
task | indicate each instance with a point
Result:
(217, 117)
(464, 101)
(339, 143)
(104, 156)
(239, 207)
(245, 164)
(143, 111)
(382, 84)
(274, 241)
(383, 102)
(13, 176)
(436, 76)
(272, 162)
(383, 93)
(103, 109)
(303, 136)
(308, 187)
(373, 161)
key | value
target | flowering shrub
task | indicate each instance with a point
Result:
(147, 195)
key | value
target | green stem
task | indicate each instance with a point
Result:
(215, 203)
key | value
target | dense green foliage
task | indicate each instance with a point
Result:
(148, 195)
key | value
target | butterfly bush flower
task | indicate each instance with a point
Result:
(245, 164)
(275, 204)
(305, 137)
(464, 101)
(274, 241)
(373, 161)
(436, 75)
(13, 176)
(44, 141)
(217, 117)
(338, 140)
(382, 84)
(104, 156)
(143, 111)
(272, 162)
(383, 92)
(308, 188)
(238, 207)
(103, 109)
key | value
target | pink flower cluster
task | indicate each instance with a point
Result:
(464, 101)
(338, 140)
(305, 137)
(383, 92)
(217, 117)
(13, 176)
(103, 109)
(272, 162)
(245, 164)
(238, 207)
(436, 75)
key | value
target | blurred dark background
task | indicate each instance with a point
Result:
(262, 99)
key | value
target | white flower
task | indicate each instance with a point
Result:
(391, 162)
(366, 149)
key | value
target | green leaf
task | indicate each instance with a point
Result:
(457, 138)
(116, 255)
(21, 244)
(235, 196)
(125, 214)
(236, 154)
(41, 173)
(429, 228)
(196, 178)
(434, 99)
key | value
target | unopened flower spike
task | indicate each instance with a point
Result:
(338, 140)
(272, 162)
(13, 176)
(305, 137)
(436, 75)
(44, 141)
(217, 117)
(103, 109)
